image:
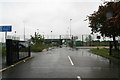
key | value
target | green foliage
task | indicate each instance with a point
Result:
(101, 51)
(37, 39)
(106, 20)
(3, 51)
(55, 45)
(116, 53)
(104, 53)
(37, 48)
(89, 38)
(37, 43)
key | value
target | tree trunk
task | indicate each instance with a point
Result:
(114, 40)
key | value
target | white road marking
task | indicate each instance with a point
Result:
(79, 78)
(70, 60)
(24, 61)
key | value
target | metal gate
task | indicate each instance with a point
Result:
(16, 51)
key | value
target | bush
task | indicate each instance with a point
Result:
(37, 47)
(55, 45)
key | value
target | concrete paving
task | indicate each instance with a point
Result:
(65, 63)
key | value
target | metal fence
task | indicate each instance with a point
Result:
(83, 40)
(16, 50)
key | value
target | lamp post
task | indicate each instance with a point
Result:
(5, 35)
(15, 35)
(70, 28)
(51, 36)
(24, 28)
(43, 34)
(37, 30)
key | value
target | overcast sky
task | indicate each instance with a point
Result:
(47, 15)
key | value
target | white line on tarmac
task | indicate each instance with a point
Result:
(79, 78)
(70, 60)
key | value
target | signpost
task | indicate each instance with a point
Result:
(5, 29)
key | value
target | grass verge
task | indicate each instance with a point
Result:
(104, 53)
(3, 51)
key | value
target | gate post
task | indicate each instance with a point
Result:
(9, 52)
(29, 52)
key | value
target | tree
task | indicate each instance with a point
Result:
(106, 20)
(89, 39)
(37, 39)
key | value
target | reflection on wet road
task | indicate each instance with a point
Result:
(65, 63)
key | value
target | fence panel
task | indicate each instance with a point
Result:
(16, 50)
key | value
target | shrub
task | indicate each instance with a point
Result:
(37, 47)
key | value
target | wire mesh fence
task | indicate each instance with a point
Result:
(81, 39)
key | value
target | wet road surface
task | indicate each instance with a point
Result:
(65, 63)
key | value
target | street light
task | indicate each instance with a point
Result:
(43, 34)
(70, 27)
(51, 36)
(15, 35)
(37, 30)
(24, 28)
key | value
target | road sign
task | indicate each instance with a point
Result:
(5, 28)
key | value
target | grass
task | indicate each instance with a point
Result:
(3, 51)
(104, 53)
